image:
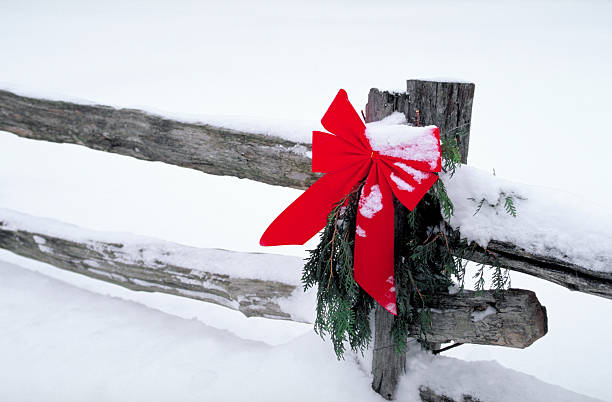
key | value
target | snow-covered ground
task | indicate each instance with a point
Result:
(542, 82)
(64, 343)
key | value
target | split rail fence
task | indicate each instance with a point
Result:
(141, 264)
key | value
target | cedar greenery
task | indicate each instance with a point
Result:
(429, 257)
(507, 199)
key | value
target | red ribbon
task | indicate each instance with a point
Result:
(402, 168)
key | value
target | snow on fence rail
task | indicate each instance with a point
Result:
(257, 284)
(553, 236)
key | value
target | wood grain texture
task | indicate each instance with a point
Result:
(387, 365)
(202, 147)
(447, 105)
(513, 318)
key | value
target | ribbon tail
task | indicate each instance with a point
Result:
(374, 252)
(308, 213)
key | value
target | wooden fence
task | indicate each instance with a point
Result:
(222, 151)
(517, 320)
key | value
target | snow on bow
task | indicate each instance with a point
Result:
(394, 160)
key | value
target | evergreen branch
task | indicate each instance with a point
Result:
(429, 258)
(509, 205)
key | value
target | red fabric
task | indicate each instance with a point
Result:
(373, 261)
(330, 152)
(347, 158)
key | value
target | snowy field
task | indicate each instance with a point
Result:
(542, 79)
(100, 348)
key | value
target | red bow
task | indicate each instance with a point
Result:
(396, 159)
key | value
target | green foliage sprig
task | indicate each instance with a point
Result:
(342, 306)
(508, 201)
(429, 257)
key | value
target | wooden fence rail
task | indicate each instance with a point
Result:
(513, 318)
(202, 147)
(223, 151)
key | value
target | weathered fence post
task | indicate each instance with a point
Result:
(447, 105)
